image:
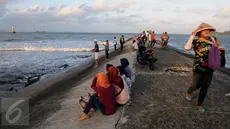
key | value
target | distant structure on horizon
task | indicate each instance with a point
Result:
(13, 29)
(40, 31)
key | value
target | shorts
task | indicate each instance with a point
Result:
(96, 55)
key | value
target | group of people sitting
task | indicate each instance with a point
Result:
(111, 89)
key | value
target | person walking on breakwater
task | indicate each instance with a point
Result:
(153, 39)
(115, 43)
(202, 73)
(96, 51)
(122, 42)
(106, 48)
(104, 98)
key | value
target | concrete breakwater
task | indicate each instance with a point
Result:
(157, 98)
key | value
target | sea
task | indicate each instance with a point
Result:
(26, 58)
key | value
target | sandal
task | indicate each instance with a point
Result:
(82, 104)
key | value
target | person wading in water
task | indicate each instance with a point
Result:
(202, 73)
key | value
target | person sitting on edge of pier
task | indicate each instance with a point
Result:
(121, 88)
(125, 64)
(104, 98)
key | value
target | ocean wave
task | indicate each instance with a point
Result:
(48, 49)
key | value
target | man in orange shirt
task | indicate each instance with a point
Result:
(153, 39)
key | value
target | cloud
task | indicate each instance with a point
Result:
(70, 11)
(126, 20)
(104, 6)
(58, 11)
(3, 10)
(223, 13)
(197, 10)
(3, 1)
(157, 9)
(120, 11)
(177, 10)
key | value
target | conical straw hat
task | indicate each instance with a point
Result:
(205, 26)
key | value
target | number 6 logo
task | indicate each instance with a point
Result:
(13, 108)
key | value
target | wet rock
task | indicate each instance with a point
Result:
(228, 95)
(31, 80)
(64, 66)
(13, 89)
(82, 56)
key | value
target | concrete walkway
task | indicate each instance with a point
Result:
(61, 110)
(158, 97)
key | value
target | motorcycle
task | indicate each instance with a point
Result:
(144, 39)
(164, 43)
(146, 57)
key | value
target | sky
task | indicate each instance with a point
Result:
(113, 16)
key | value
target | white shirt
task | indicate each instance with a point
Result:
(150, 37)
(115, 42)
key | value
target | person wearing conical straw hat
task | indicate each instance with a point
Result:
(202, 74)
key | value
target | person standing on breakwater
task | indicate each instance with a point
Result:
(115, 43)
(202, 73)
(106, 48)
(122, 42)
(96, 51)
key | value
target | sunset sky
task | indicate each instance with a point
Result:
(173, 16)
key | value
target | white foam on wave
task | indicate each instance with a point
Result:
(47, 49)
(102, 43)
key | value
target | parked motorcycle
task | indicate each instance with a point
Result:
(146, 57)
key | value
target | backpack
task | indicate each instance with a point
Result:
(214, 59)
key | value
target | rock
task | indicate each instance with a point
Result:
(64, 66)
(123, 120)
(31, 80)
(228, 95)
(13, 89)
